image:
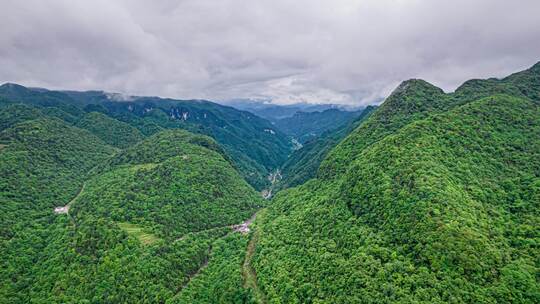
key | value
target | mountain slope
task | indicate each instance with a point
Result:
(175, 182)
(255, 145)
(111, 131)
(42, 98)
(241, 133)
(413, 99)
(422, 215)
(12, 114)
(142, 224)
(434, 199)
(43, 163)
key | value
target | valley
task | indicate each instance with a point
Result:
(429, 197)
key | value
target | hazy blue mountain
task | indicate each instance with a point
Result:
(274, 112)
(303, 163)
(304, 126)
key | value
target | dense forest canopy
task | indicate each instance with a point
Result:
(431, 197)
(256, 145)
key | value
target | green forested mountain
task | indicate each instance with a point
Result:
(44, 161)
(11, 114)
(254, 144)
(43, 98)
(111, 131)
(431, 197)
(141, 222)
(174, 182)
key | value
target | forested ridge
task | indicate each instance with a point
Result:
(255, 145)
(143, 222)
(431, 197)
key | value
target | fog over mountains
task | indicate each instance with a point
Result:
(340, 52)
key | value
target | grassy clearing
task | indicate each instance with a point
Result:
(138, 232)
(146, 166)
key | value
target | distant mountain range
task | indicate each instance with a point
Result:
(301, 121)
(275, 112)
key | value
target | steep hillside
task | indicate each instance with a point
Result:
(111, 131)
(422, 215)
(304, 126)
(242, 134)
(12, 114)
(139, 226)
(174, 182)
(523, 84)
(43, 163)
(239, 131)
(412, 100)
(433, 199)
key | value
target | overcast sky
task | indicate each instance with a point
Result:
(334, 51)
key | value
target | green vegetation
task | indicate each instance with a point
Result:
(144, 224)
(42, 166)
(221, 280)
(253, 143)
(12, 114)
(139, 233)
(111, 131)
(414, 99)
(173, 183)
(14, 93)
(422, 203)
(430, 198)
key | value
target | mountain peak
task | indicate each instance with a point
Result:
(536, 67)
(410, 94)
(13, 90)
(12, 86)
(416, 85)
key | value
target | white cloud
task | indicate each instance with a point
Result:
(337, 51)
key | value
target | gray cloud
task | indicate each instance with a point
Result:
(340, 51)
